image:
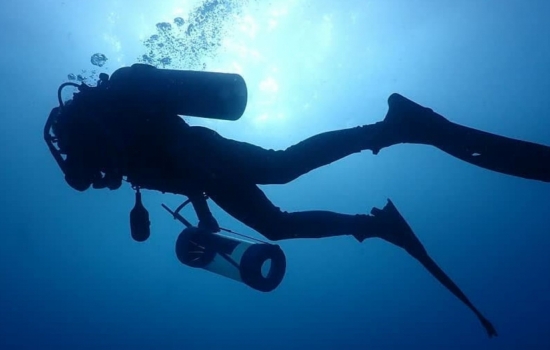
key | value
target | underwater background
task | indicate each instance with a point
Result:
(71, 277)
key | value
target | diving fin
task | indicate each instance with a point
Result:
(404, 237)
(414, 123)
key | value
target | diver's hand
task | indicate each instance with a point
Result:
(209, 224)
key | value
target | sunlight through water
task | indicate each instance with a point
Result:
(276, 46)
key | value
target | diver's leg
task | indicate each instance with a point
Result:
(409, 122)
(246, 162)
(248, 204)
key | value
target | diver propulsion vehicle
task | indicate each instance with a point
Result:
(223, 96)
(258, 264)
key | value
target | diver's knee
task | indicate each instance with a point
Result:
(282, 226)
(272, 234)
(273, 227)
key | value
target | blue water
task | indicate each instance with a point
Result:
(72, 278)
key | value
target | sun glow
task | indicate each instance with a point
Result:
(275, 47)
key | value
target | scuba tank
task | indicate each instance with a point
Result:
(191, 93)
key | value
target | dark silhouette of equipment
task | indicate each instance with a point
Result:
(139, 220)
(258, 264)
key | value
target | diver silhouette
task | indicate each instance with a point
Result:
(106, 139)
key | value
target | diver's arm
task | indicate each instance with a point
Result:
(206, 219)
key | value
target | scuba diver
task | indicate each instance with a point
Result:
(129, 128)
